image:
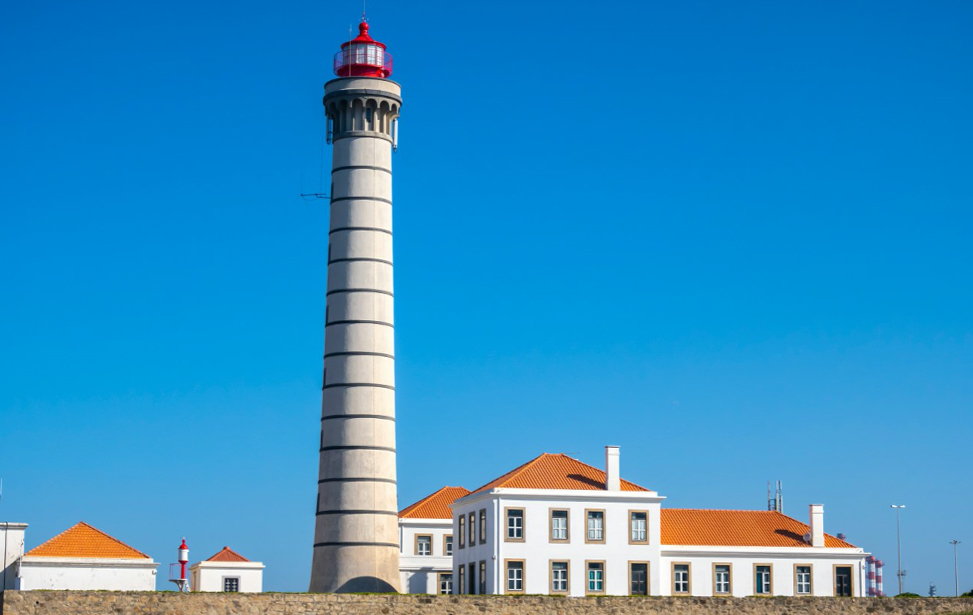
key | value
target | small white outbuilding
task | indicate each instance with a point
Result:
(85, 558)
(227, 571)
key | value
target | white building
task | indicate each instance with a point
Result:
(556, 525)
(86, 558)
(11, 549)
(426, 543)
(227, 571)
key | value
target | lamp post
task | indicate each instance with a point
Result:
(898, 543)
(955, 542)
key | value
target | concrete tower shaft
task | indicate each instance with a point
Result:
(356, 534)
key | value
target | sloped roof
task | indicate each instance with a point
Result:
(82, 540)
(434, 505)
(550, 471)
(737, 528)
(227, 554)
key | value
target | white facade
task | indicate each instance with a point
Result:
(607, 540)
(87, 573)
(244, 577)
(425, 563)
(11, 550)
(493, 550)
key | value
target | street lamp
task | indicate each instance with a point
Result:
(955, 565)
(898, 543)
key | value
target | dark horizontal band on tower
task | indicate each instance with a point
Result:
(359, 134)
(321, 513)
(378, 417)
(360, 258)
(364, 167)
(390, 481)
(359, 384)
(350, 447)
(346, 93)
(356, 544)
(358, 290)
(360, 228)
(358, 353)
(361, 198)
(359, 322)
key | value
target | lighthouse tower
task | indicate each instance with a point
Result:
(356, 546)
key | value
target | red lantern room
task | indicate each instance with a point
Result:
(363, 56)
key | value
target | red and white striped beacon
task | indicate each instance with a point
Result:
(181, 581)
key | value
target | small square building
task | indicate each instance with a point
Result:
(227, 571)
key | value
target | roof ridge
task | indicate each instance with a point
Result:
(442, 492)
(226, 549)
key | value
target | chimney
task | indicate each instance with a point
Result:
(613, 481)
(817, 525)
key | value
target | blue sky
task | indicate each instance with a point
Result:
(732, 238)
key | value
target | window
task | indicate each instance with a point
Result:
(472, 529)
(462, 532)
(802, 580)
(639, 526)
(680, 578)
(461, 586)
(843, 581)
(515, 576)
(559, 577)
(445, 582)
(483, 526)
(231, 584)
(448, 546)
(423, 545)
(596, 526)
(515, 524)
(721, 578)
(638, 576)
(761, 580)
(472, 589)
(596, 577)
(483, 577)
(559, 525)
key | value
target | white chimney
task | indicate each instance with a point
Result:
(817, 525)
(613, 481)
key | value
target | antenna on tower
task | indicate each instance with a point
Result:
(775, 502)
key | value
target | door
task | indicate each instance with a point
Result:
(842, 581)
(640, 579)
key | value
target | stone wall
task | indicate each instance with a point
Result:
(170, 603)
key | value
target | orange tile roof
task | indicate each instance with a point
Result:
(737, 528)
(82, 540)
(227, 554)
(435, 505)
(555, 472)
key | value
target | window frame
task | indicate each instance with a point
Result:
(506, 526)
(231, 591)
(448, 545)
(550, 525)
(462, 532)
(689, 579)
(567, 579)
(755, 579)
(631, 540)
(439, 583)
(604, 526)
(648, 577)
(506, 576)
(482, 585)
(415, 546)
(810, 580)
(604, 577)
(459, 587)
(472, 536)
(729, 579)
(483, 526)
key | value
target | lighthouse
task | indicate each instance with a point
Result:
(356, 545)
